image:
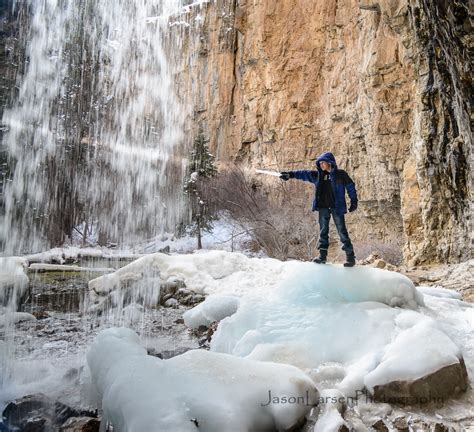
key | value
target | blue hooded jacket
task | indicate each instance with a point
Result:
(340, 182)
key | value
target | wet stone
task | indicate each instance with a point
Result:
(36, 412)
(81, 424)
(167, 354)
(55, 291)
(172, 303)
(166, 297)
(380, 426)
(401, 424)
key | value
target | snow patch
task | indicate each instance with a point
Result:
(436, 291)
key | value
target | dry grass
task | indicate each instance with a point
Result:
(279, 216)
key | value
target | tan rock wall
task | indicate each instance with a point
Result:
(278, 82)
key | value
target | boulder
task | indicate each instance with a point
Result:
(449, 381)
(35, 412)
(38, 412)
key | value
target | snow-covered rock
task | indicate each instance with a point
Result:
(67, 255)
(7, 316)
(133, 313)
(214, 391)
(236, 274)
(214, 308)
(128, 284)
(40, 268)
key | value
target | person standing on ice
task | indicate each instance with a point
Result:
(330, 184)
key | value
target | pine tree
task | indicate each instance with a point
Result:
(201, 169)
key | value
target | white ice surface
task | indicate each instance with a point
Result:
(306, 296)
(305, 314)
(215, 308)
(436, 291)
(217, 391)
(236, 274)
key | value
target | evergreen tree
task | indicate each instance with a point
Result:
(201, 169)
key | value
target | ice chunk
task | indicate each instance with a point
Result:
(143, 393)
(415, 352)
(324, 314)
(305, 335)
(214, 308)
(315, 284)
(330, 421)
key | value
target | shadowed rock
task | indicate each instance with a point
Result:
(447, 382)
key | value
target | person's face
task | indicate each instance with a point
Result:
(325, 166)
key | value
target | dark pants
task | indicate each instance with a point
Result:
(324, 218)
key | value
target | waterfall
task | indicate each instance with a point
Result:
(97, 132)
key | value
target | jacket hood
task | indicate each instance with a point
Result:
(326, 157)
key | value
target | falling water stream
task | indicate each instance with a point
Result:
(96, 135)
(97, 138)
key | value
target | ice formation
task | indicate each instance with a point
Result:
(214, 308)
(364, 326)
(214, 391)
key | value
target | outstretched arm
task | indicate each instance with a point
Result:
(304, 175)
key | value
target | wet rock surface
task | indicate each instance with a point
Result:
(38, 413)
(81, 424)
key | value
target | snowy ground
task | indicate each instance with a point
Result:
(345, 328)
(226, 235)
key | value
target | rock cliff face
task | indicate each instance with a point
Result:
(383, 84)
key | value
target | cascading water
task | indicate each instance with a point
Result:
(96, 135)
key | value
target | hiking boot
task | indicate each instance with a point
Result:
(350, 261)
(321, 259)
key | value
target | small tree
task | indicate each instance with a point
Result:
(201, 169)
